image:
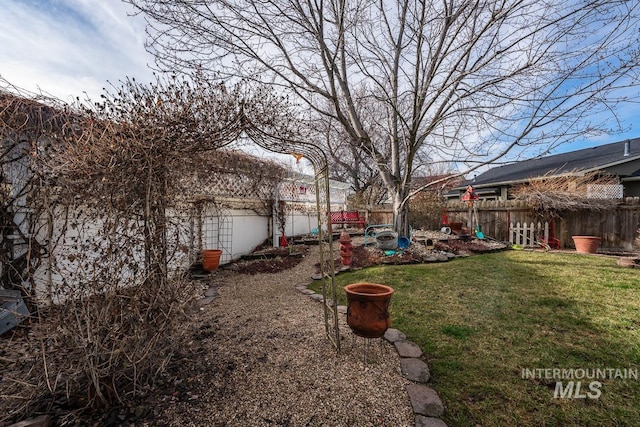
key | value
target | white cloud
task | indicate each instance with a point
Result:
(67, 47)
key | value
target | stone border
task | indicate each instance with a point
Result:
(425, 401)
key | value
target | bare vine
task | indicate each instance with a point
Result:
(552, 195)
(108, 185)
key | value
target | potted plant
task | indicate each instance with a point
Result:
(211, 259)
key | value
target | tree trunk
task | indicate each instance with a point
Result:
(400, 214)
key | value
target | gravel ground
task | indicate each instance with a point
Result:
(260, 357)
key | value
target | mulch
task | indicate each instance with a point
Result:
(269, 260)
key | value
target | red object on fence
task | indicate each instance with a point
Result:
(469, 195)
(283, 242)
(445, 218)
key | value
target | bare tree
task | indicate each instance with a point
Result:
(468, 81)
(349, 164)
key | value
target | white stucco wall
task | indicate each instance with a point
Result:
(84, 253)
(301, 223)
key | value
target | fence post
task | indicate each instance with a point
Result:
(546, 232)
(532, 233)
(512, 236)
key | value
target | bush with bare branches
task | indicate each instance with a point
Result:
(552, 194)
(108, 188)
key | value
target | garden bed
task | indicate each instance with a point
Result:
(269, 260)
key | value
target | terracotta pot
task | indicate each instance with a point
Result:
(211, 259)
(586, 244)
(368, 309)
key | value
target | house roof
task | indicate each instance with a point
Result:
(585, 160)
(448, 180)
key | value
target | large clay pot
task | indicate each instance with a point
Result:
(368, 309)
(211, 259)
(586, 244)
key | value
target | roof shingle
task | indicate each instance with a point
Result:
(585, 160)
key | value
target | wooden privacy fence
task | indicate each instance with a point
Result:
(618, 226)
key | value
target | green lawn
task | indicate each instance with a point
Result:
(481, 320)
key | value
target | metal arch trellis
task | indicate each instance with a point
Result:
(323, 206)
(54, 119)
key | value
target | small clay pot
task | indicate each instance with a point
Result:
(211, 259)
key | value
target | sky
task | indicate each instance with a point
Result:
(75, 48)
(66, 48)
(69, 48)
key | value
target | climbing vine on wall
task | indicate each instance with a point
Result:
(107, 185)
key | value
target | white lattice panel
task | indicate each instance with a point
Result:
(604, 191)
(304, 191)
(297, 191)
(238, 185)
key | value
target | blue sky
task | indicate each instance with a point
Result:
(67, 47)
